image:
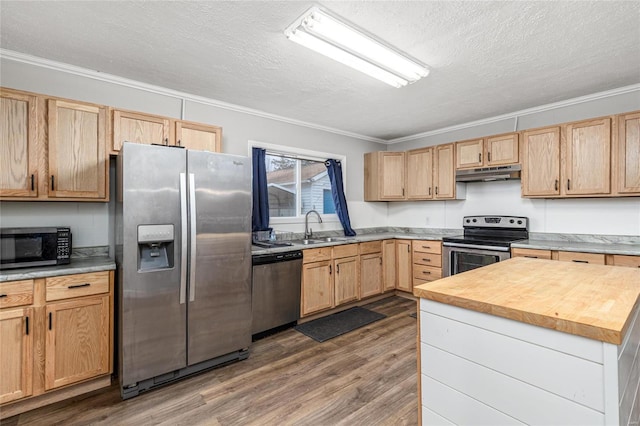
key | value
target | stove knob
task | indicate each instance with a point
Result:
(511, 221)
(468, 221)
(474, 220)
(519, 222)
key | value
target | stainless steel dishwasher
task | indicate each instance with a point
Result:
(275, 291)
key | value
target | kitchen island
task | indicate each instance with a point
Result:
(531, 341)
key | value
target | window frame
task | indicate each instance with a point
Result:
(301, 154)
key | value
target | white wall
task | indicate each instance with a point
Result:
(605, 216)
(89, 220)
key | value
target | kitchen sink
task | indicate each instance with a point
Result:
(319, 240)
(307, 242)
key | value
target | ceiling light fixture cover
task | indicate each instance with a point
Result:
(326, 34)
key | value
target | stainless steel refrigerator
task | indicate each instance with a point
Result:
(183, 250)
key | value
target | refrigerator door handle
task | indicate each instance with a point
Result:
(183, 238)
(192, 209)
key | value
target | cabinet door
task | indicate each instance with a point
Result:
(140, 128)
(317, 287)
(391, 176)
(77, 341)
(403, 255)
(587, 158)
(16, 353)
(389, 264)
(18, 149)
(419, 174)
(501, 149)
(624, 260)
(541, 162)
(77, 150)
(347, 279)
(444, 173)
(469, 154)
(198, 136)
(627, 154)
(370, 274)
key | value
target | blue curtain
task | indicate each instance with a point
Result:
(260, 218)
(334, 168)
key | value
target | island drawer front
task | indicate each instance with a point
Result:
(427, 246)
(532, 253)
(70, 286)
(16, 293)
(558, 381)
(427, 273)
(579, 257)
(345, 250)
(630, 261)
(371, 247)
(427, 259)
(316, 254)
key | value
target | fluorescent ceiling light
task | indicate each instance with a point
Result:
(319, 31)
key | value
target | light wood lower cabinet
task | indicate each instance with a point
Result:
(371, 274)
(426, 261)
(624, 260)
(578, 257)
(54, 332)
(531, 253)
(389, 265)
(346, 267)
(403, 264)
(317, 287)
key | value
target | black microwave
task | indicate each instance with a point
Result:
(28, 247)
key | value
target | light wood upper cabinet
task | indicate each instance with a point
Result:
(626, 164)
(444, 174)
(389, 264)
(198, 136)
(419, 176)
(78, 165)
(16, 353)
(469, 154)
(77, 341)
(491, 151)
(384, 176)
(140, 128)
(541, 162)
(587, 158)
(18, 144)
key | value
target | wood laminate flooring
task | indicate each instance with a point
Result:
(366, 377)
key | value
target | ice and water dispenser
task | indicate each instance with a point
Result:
(155, 247)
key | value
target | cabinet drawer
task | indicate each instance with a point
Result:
(578, 257)
(316, 254)
(16, 293)
(427, 246)
(533, 253)
(69, 286)
(345, 250)
(371, 247)
(427, 259)
(427, 273)
(630, 261)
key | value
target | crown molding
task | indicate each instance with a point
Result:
(515, 115)
(110, 78)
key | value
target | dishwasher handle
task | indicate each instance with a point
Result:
(264, 259)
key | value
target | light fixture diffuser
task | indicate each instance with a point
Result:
(326, 34)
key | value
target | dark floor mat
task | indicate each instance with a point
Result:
(339, 323)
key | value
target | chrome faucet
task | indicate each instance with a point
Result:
(308, 233)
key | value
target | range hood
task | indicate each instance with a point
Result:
(486, 174)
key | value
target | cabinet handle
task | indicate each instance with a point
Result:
(337, 268)
(426, 247)
(531, 257)
(329, 269)
(32, 183)
(26, 320)
(568, 184)
(408, 249)
(166, 141)
(429, 191)
(426, 272)
(179, 142)
(479, 158)
(381, 262)
(556, 185)
(2, 295)
(436, 190)
(50, 320)
(79, 285)
(579, 261)
(488, 156)
(426, 260)
(52, 182)
(403, 192)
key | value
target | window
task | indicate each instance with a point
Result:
(297, 181)
(297, 185)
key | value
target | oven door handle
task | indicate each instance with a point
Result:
(478, 247)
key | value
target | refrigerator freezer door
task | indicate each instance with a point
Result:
(220, 310)
(153, 321)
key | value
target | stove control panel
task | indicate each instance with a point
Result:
(513, 222)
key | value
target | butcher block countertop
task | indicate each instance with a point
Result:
(592, 301)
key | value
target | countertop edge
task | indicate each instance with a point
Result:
(77, 266)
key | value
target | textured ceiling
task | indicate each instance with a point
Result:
(486, 58)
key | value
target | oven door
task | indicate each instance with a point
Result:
(461, 257)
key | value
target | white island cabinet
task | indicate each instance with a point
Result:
(530, 341)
